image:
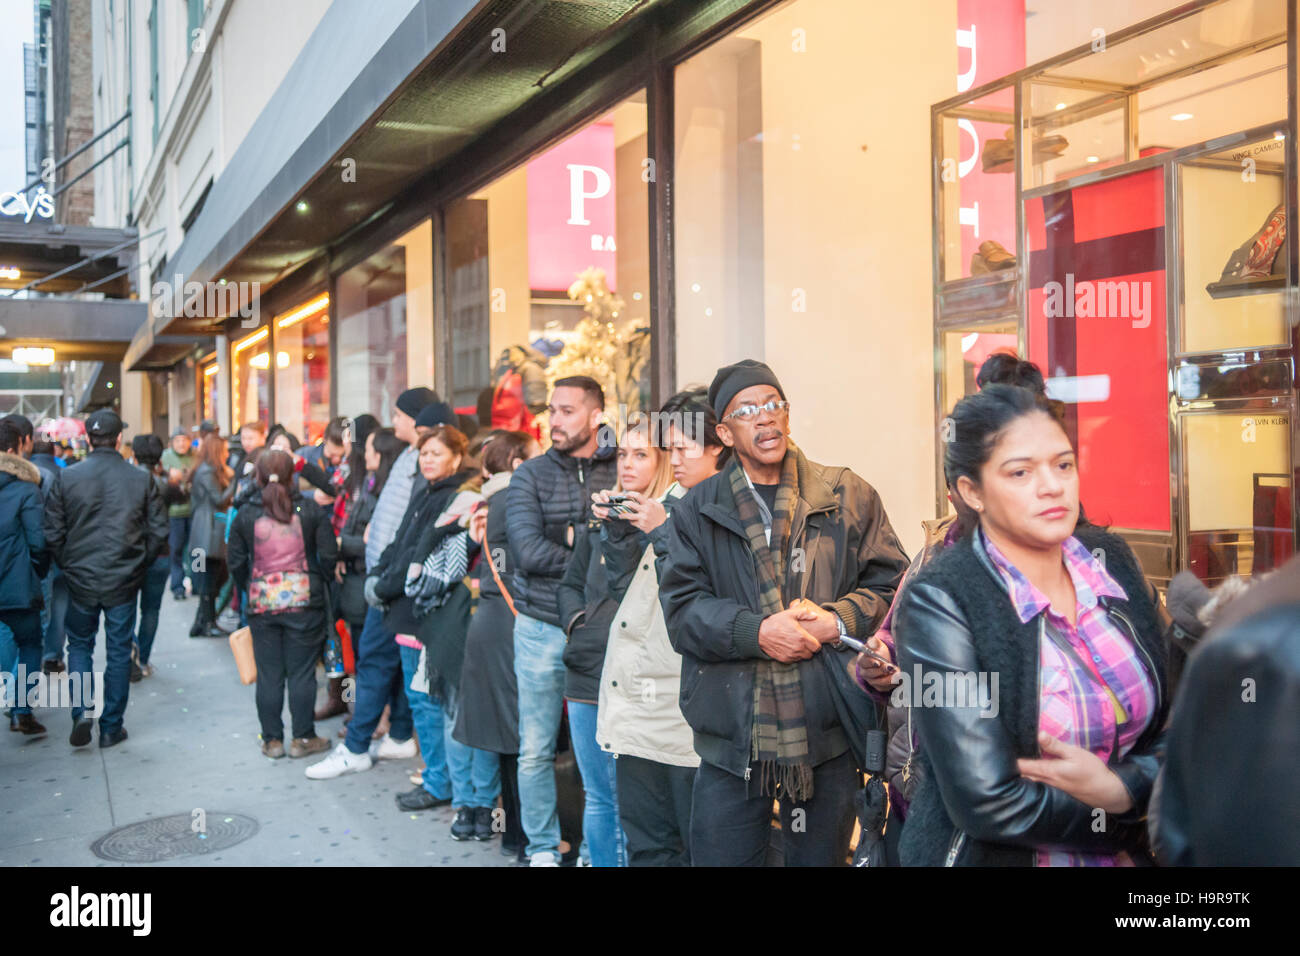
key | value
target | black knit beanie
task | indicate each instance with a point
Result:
(733, 379)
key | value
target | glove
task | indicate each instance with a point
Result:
(372, 598)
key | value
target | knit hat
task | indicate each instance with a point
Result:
(733, 379)
(413, 400)
(433, 414)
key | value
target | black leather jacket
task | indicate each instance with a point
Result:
(972, 806)
(104, 523)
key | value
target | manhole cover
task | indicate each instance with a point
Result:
(167, 838)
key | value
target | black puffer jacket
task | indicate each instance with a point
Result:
(104, 524)
(972, 807)
(549, 499)
(586, 609)
(709, 591)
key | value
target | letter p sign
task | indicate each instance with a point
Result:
(578, 194)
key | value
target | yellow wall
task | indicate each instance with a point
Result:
(418, 245)
(846, 218)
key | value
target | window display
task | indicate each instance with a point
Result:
(302, 375)
(548, 275)
(251, 378)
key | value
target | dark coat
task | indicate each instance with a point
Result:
(23, 556)
(972, 807)
(318, 544)
(549, 500)
(708, 586)
(207, 499)
(1229, 793)
(416, 537)
(352, 552)
(105, 523)
(488, 715)
(586, 609)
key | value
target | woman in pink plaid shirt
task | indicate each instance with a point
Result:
(1053, 620)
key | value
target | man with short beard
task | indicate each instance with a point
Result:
(549, 498)
(770, 563)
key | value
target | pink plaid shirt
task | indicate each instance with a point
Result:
(1074, 706)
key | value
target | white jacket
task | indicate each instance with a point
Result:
(638, 713)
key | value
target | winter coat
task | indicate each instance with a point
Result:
(319, 546)
(207, 532)
(1229, 793)
(639, 713)
(708, 587)
(549, 500)
(971, 806)
(352, 553)
(23, 555)
(586, 609)
(104, 524)
(488, 715)
(179, 506)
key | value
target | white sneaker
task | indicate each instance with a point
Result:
(340, 761)
(543, 858)
(390, 749)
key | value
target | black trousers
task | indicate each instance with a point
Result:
(286, 647)
(514, 837)
(654, 806)
(731, 821)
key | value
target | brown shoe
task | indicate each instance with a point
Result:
(333, 705)
(306, 746)
(273, 748)
(991, 257)
(27, 724)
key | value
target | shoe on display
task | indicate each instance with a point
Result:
(991, 257)
(80, 735)
(113, 738)
(463, 827)
(419, 799)
(306, 746)
(390, 749)
(1259, 256)
(483, 823)
(273, 748)
(999, 155)
(340, 761)
(544, 858)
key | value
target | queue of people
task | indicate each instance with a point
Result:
(690, 629)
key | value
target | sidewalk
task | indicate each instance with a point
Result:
(194, 745)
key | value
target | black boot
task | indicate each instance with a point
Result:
(204, 617)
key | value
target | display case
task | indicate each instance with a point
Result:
(1136, 191)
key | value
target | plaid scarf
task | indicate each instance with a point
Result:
(779, 736)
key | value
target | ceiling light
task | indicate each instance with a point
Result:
(1094, 159)
(9, 272)
(1181, 117)
(33, 356)
(302, 205)
(1060, 106)
(1279, 136)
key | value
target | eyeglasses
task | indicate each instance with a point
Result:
(750, 412)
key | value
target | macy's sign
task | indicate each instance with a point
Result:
(17, 204)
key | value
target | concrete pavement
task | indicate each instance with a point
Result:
(194, 745)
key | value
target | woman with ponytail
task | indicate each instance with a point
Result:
(279, 544)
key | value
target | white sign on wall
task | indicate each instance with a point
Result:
(17, 204)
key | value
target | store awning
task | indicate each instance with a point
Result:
(80, 258)
(381, 96)
(77, 329)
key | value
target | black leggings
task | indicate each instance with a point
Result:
(286, 647)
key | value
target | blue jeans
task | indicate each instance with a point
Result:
(430, 727)
(539, 672)
(56, 604)
(601, 831)
(8, 650)
(378, 682)
(178, 539)
(119, 633)
(151, 595)
(25, 630)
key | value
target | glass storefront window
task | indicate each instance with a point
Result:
(548, 274)
(209, 389)
(251, 378)
(385, 335)
(302, 369)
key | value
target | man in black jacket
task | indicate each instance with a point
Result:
(105, 525)
(769, 561)
(549, 499)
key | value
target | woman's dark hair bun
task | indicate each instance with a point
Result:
(1004, 368)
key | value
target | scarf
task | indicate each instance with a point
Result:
(779, 735)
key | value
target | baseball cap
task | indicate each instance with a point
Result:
(104, 423)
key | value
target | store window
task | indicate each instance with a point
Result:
(209, 388)
(548, 274)
(251, 378)
(385, 334)
(302, 369)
